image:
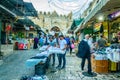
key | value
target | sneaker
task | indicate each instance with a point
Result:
(63, 68)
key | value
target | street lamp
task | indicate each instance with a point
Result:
(100, 17)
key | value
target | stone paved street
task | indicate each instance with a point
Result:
(7, 49)
(14, 67)
(73, 72)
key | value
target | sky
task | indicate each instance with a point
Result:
(61, 6)
(40, 5)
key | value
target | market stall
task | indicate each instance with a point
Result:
(21, 44)
(42, 60)
(100, 62)
(106, 59)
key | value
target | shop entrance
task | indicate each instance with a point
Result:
(56, 31)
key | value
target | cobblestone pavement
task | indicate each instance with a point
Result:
(73, 72)
(14, 67)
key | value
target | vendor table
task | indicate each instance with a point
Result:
(41, 60)
(106, 59)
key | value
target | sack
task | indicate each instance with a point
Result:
(72, 46)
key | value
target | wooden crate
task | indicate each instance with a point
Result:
(99, 66)
(100, 69)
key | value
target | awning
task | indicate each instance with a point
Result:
(14, 6)
(37, 27)
(98, 7)
(5, 13)
(76, 23)
(22, 22)
(29, 9)
(19, 7)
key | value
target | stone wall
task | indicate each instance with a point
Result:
(49, 20)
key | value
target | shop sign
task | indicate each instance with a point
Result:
(97, 27)
(114, 15)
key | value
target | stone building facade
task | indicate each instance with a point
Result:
(48, 20)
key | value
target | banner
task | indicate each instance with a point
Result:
(97, 27)
(114, 15)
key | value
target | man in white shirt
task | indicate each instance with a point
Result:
(62, 46)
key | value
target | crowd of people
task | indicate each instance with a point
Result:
(65, 43)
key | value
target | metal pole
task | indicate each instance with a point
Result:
(0, 36)
(8, 10)
(109, 39)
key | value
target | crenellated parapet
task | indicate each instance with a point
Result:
(47, 20)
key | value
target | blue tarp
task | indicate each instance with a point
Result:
(33, 62)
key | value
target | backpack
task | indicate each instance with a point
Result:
(83, 50)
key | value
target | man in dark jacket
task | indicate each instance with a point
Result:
(84, 53)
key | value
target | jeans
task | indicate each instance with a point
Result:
(89, 63)
(53, 56)
(62, 57)
(70, 50)
(52, 59)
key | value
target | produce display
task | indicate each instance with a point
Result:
(113, 52)
(22, 44)
(100, 54)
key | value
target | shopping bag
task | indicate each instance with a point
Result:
(72, 46)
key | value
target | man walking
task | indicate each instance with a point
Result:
(84, 53)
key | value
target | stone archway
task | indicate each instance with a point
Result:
(55, 29)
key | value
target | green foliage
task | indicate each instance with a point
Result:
(87, 30)
(21, 35)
